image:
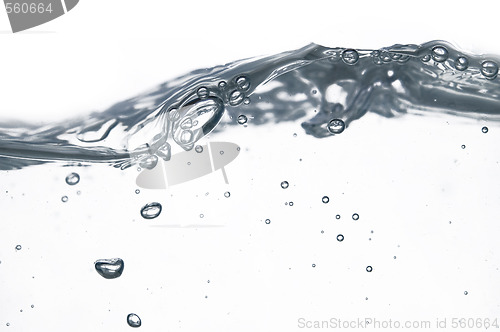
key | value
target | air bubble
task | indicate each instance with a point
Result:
(462, 63)
(350, 56)
(222, 84)
(426, 58)
(268, 221)
(463, 146)
(336, 126)
(489, 69)
(221, 152)
(246, 101)
(314, 265)
(369, 268)
(149, 162)
(72, 179)
(242, 119)
(314, 91)
(18, 247)
(202, 215)
(355, 216)
(64, 199)
(325, 199)
(173, 114)
(109, 268)
(291, 203)
(439, 54)
(227, 194)
(484, 129)
(137, 191)
(466, 293)
(186, 136)
(151, 210)
(198, 148)
(236, 97)
(243, 83)
(284, 184)
(202, 92)
(337, 216)
(133, 320)
(340, 237)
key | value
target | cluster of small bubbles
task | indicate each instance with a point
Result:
(426, 58)
(18, 247)
(222, 84)
(246, 101)
(227, 194)
(133, 320)
(202, 92)
(243, 83)
(355, 216)
(439, 54)
(325, 199)
(151, 210)
(236, 97)
(137, 191)
(198, 148)
(462, 63)
(202, 215)
(337, 216)
(242, 119)
(463, 146)
(489, 69)
(268, 221)
(72, 179)
(484, 129)
(350, 56)
(369, 268)
(336, 126)
(284, 184)
(64, 199)
(340, 237)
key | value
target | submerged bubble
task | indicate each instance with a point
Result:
(314, 265)
(137, 191)
(227, 194)
(109, 268)
(340, 237)
(462, 63)
(463, 146)
(242, 119)
(198, 148)
(18, 247)
(149, 162)
(222, 84)
(325, 199)
(337, 216)
(369, 268)
(246, 101)
(133, 320)
(72, 179)
(151, 210)
(186, 136)
(268, 221)
(426, 58)
(284, 184)
(355, 216)
(64, 199)
(439, 53)
(350, 56)
(236, 97)
(336, 126)
(202, 92)
(202, 215)
(243, 83)
(484, 129)
(291, 203)
(489, 69)
(466, 292)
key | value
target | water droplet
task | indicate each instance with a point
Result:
(484, 129)
(72, 179)
(227, 194)
(246, 101)
(463, 146)
(439, 54)
(222, 84)
(325, 199)
(314, 265)
(236, 97)
(151, 210)
(133, 320)
(369, 268)
(198, 148)
(462, 63)
(291, 203)
(350, 56)
(64, 199)
(268, 221)
(355, 216)
(202, 92)
(18, 247)
(109, 268)
(466, 292)
(489, 69)
(337, 216)
(340, 237)
(137, 191)
(426, 58)
(284, 184)
(336, 126)
(242, 119)
(243, 83)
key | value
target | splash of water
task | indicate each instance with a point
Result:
(315, 85)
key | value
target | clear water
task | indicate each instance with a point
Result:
(383, 153)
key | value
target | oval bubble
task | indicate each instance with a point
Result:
(151, 210)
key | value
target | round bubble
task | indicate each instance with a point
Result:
(426, 58)
(198, 148)
(236, 97)
(133, 320)
(337, 216)
(369, 268)
(463, 146)
(222, 84)
(202, 92)
(242, 119)
(18, 247)
(484, 129)
(72, 179)
(350, 56)
(355, 216)
(151, 210)
(137, 191)
(340, 237)
(64, 199)
(284, 184)
(489, 69)
(462, 63)
(243, 83)
(268, 221)
(439, 54)
(325, 199)
(336, 126)
(227, 194)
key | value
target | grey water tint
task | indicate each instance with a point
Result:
(326, 89)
